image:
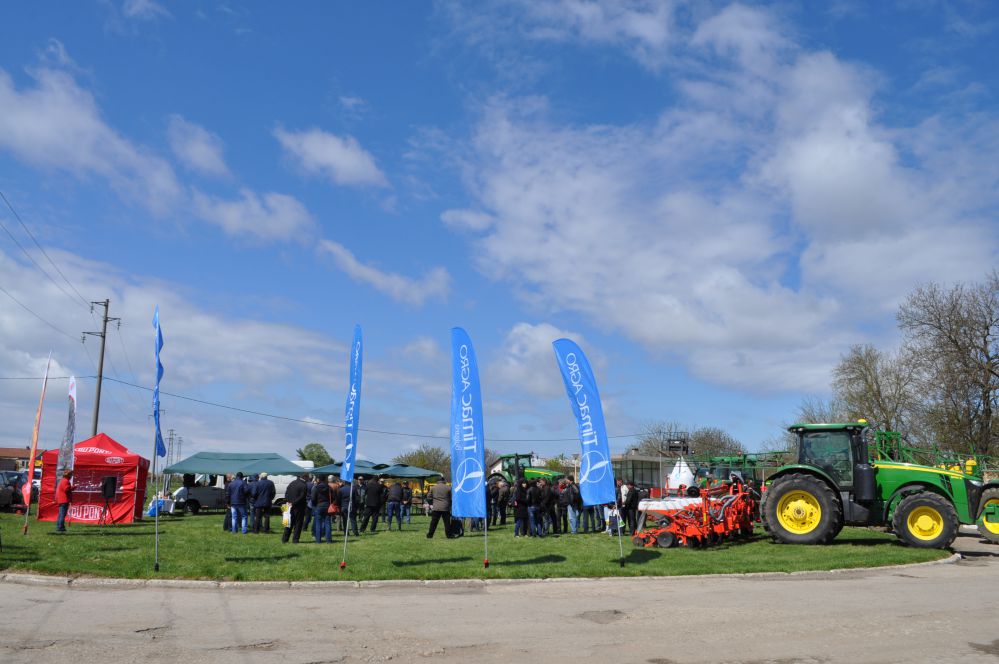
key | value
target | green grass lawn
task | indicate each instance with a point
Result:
(194, 547)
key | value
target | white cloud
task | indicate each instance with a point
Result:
(467, 219)
(740, 232)
(434, 284)
(55, 124)
(271, 216)
(526, 362)
(144, 10)
(340, 159)
(196, 147)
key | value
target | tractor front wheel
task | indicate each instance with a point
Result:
(925, 520)
(988, 529)
(802, 509)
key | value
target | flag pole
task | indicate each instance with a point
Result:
(346, 524)
(34, 449)
(620, 538)
(485, 521)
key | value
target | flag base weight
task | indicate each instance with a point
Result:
(485, 563)
(343, 565)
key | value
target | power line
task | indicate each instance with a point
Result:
(340, 426)
(42, 249)
(28, 309)
(318, 424)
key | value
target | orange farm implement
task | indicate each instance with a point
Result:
(722, 512)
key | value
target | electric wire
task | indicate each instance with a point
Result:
(314, 423)
(42, 249)
(29, 310)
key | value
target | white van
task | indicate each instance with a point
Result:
(281, 482)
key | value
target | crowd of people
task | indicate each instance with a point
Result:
(321, 505)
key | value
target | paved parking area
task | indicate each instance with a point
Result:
(930, 613)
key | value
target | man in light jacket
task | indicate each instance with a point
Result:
(440, 506)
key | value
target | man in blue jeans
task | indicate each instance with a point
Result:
(393, 506)
(573, 502)
(236, 495)
(407, 503)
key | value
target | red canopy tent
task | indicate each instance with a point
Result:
(97, 458)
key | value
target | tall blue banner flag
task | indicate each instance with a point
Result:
(353, 412)
(596, 474)
(160, 447)
(468, 452)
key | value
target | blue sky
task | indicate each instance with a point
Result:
(714, 199)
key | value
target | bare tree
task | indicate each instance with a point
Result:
(881, 387)
(428, 456)
(713, 441)
(956, 330)
(656, 436)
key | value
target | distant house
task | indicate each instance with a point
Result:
(14, 458)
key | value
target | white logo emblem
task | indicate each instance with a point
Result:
(469, 473)
(114, 460)
(593, 463)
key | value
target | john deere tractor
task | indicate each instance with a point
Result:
(516, 466)
(835, 483)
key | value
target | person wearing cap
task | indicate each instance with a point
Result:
(263, 495)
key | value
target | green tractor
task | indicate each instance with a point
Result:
(835, 483)
(515, 466)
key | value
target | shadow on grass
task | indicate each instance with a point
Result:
(109, 532)
(642, 556)
(257, 559)
(540, 560)
(113, 549)
(980, 554)
(433, 561)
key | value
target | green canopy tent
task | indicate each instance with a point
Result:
(248, 463)
(362, 467)
(406, 471)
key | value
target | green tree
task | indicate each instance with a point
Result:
(656, 436)
(315, 453)
(430, 457)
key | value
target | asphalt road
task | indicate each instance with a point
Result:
(932, 613)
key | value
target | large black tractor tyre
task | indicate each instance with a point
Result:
(989, 531)
(802, 509)
(925, 520)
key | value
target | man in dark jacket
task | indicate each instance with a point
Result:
(263, 495)
(296, 495)
(394, 504)
(440, 506)
(631, 507)
(350, 500)
(502, 500)
(372, 503)
(407, 503)
(236, 497)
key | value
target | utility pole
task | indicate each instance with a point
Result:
(169, 457)
(100, 360)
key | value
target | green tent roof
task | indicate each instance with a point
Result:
(363, 467)
(248, 463)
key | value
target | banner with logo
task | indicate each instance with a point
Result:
(596, 474)
(160, 446)
(353, 411)
(65, 461)
(468, 452)
(26, 490)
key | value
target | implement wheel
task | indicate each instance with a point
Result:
(925, 520)
(802, 509)
(665, 540)
(988, 530)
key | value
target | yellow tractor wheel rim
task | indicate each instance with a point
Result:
(799, 512)
(925, 523)
(990, 526)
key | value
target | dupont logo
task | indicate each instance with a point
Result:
(114, 460)
(85, 512)
(93, 450)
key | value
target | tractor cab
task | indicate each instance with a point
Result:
(839, 451)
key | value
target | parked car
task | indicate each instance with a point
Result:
(17, 478)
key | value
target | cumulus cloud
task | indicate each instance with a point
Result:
(435, 284)
(342, 160)
(196, 147)
(740, 231)
(270, 216)
(143, 10)
(55, 124)
(526, 361)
